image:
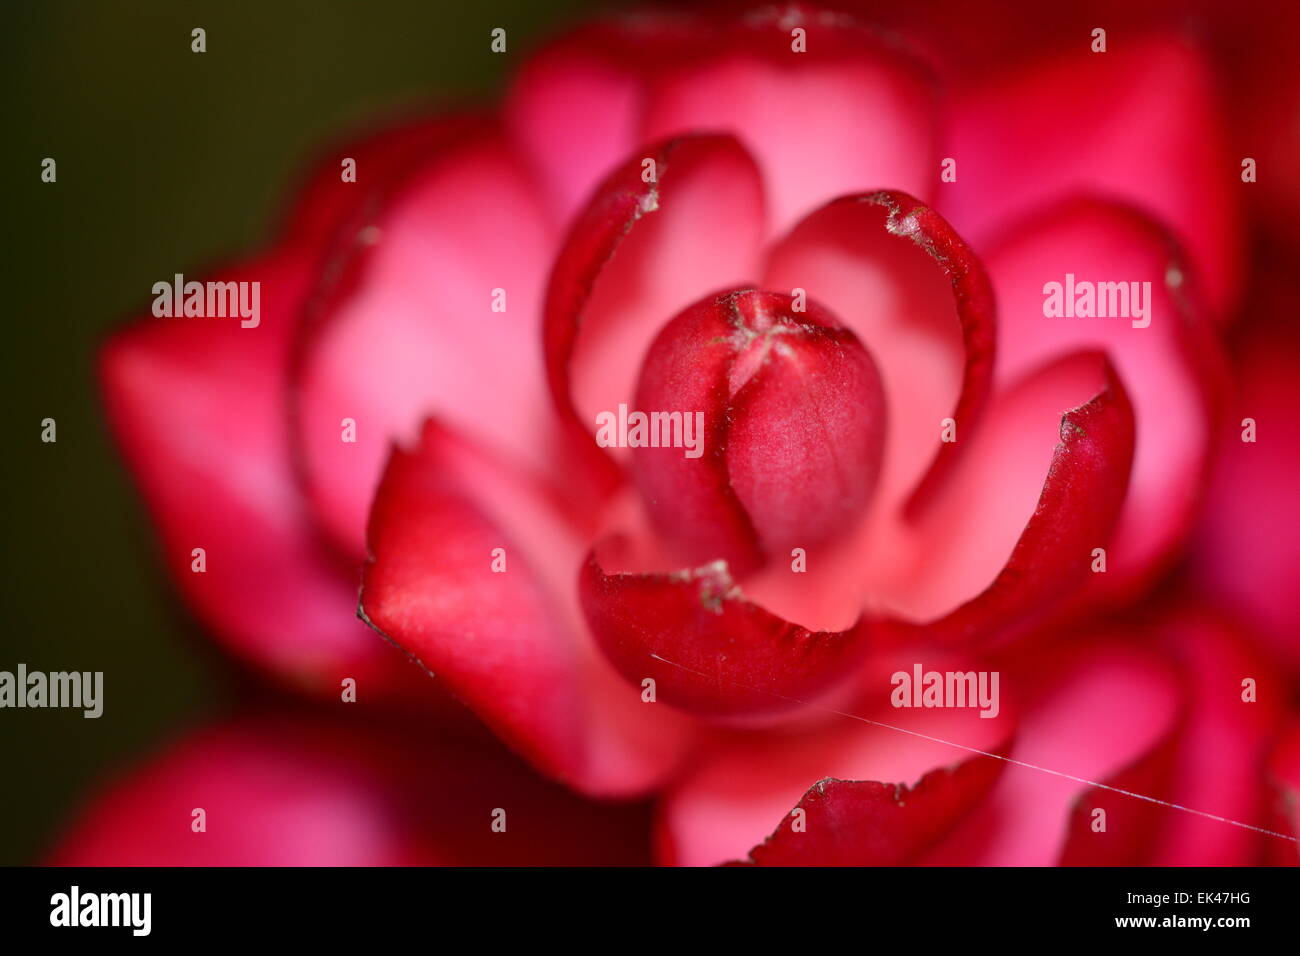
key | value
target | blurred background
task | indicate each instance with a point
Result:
(168, 161)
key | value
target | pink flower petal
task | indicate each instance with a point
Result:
(326, 201)
(1009, 535)
(897, 274)
(709, 650)
(1243, 553)
(1091, 714)
(637, 255)
(575, 105)
(1046, 131)
(510, 642)
(1133, 825)
(1210, 762)
(1222, 744)
(404, 326)
(999, 537)
(748, 783)
(850, 114)
(1170, 366)
(195, 406)
(865, 823)
(1265, 98)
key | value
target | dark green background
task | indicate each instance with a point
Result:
(167, 161)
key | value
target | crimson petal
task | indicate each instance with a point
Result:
(865, 823)
(437, 282)
(791, 419)
(708, 649)
(897, 274)
(1076, 513)
(1135, 823)
(750, 778)
(472, 569)
(195, 407)
(1223, 739)
(1208, 762)
(638, 254)
(1169, 359)
(1089, 710)
(327, 200)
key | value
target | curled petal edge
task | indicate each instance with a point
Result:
(868, 823)
(1077, 512)
(709, 649)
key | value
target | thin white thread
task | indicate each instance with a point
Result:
(985, 753)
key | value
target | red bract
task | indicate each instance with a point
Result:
(692, 400)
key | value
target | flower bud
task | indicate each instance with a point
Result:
(782, 429)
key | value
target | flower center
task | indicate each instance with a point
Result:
(792, 421)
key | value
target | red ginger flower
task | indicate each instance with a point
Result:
(683, 214)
